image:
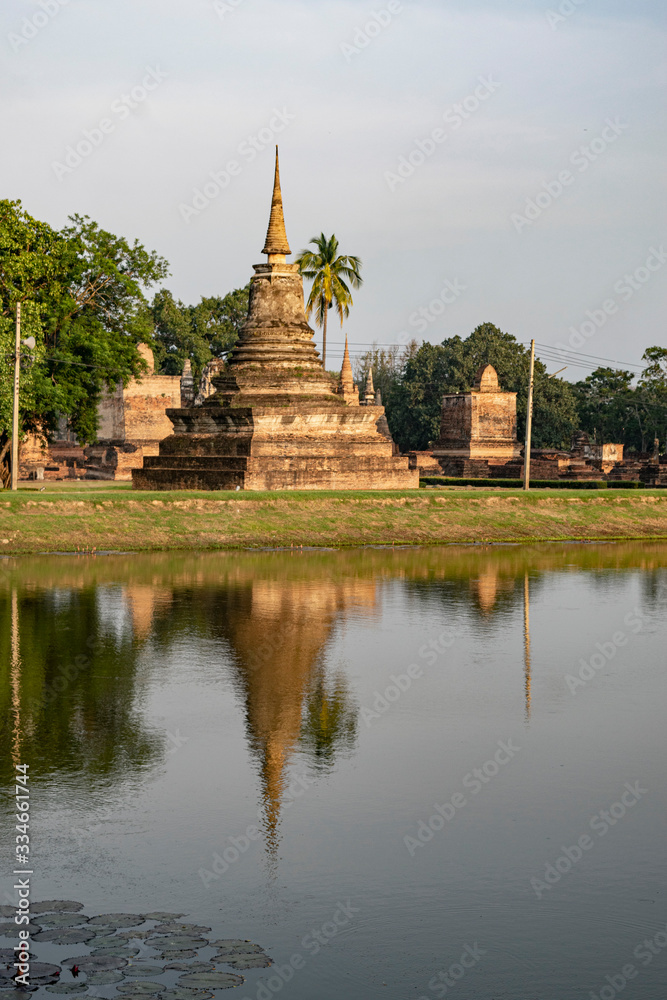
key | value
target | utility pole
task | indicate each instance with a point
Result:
(15, 413)
(529, 420)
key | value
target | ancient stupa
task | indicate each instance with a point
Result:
(277, 420)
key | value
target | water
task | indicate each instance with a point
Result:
(260, 741)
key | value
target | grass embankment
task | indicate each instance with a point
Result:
(116, 518)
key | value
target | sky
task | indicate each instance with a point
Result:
(493, 162)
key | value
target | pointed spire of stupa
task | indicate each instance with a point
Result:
(346, 380)
(347, 388)
(276, 245)
(369, 396)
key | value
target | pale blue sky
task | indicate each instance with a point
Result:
(229, 66)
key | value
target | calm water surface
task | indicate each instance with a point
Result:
(410, 755)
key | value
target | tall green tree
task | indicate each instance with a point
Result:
(333, 276)
(202, 332)
(414, 407)
(87, 290)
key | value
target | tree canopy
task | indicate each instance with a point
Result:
(202, 332)
(333, 275)
(83, 291)
(414, 403)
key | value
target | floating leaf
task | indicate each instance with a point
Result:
(10, 911)
(117, 920)
(172, 927)
(176, 956)
(191, 966)
(243, 948)
(243, 962)
(230, 943)
(52, 920)
(211, 980)
(66, 935)
(161, 915)
(140, 986)
(10, 929)
(176, 942)
(182, 993)
(95, 963)
(122, 952)
(67, 988)
(56, 906)
(103, 978)
(143, 970)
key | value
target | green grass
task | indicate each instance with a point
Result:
(81, 517)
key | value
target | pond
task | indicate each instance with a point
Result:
(402, 773)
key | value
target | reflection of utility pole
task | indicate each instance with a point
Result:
(526, 642)
(16, 679)
(529, 420)
(15, 413)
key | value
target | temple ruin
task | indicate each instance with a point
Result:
(277, 420)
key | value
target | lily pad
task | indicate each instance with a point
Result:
(132, 935)
(182, 993)
(122, 952)
(243, 948)
(176, 956)
(10, 929)
(51, 920)
(161, 915)
(140, 986)
(7, 954)
(103, 978)
(56, 906)
(10, 911)
(176, 942)
(43, 971)
(95, 963)
(191, 966)
(117, 920)
(172, 927)
(66, 935)
(143, 970)
(243, 962)
(210, 980)
(67, 988)
(231, 943)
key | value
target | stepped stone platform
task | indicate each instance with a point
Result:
(277, 420)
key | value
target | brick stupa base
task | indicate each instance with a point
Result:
(277, 420)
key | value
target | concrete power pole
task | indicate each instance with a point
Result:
(529, 420)
(15, 412)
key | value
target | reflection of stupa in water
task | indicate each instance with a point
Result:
(291, 704)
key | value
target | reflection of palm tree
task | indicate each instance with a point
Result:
(329, 722)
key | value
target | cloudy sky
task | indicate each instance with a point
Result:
(495, 161)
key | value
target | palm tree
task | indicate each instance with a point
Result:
(331, 276)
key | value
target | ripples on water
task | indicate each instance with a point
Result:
(311, 750)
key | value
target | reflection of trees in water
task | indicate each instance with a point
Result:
(67, 686)
(329, 725)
